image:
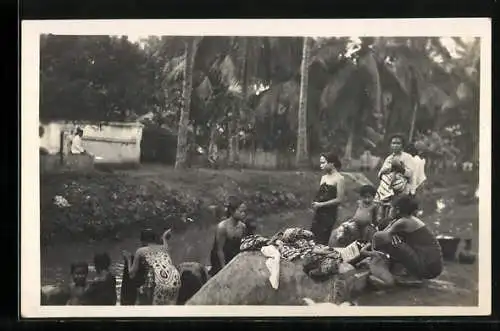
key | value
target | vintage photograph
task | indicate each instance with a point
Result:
(242, 170)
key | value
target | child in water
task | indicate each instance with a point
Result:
(78, 286)
(102, 289)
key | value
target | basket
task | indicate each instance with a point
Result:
(449, 246)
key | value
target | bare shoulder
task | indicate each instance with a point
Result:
(339, 178)
(140, 251)
(222, 225)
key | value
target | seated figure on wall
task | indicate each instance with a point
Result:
(76, 143)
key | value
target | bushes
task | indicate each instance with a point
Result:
(111, 205)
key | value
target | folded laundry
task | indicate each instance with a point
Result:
(320, 261)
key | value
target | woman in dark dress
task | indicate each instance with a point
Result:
(328, 198)
(228, 235)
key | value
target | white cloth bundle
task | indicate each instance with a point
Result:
(272, 264)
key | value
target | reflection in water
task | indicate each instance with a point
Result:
(440, 205)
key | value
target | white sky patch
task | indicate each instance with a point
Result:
(450, 45)
(354, 43)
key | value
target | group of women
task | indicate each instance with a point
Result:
(398, 233)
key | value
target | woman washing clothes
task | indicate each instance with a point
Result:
(228, 235)
(408, 242)
(328, 198)
(162, 281)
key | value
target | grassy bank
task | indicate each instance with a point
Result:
(107, 205)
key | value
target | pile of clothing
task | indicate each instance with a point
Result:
(319, 261)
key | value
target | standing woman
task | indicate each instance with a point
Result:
(228, 235)
(328, 198)
(401, 165)
(401, 159)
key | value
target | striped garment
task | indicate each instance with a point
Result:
(390, 184)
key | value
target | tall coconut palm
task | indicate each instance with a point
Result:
(238, 64)
(182, 136)
(302, 156)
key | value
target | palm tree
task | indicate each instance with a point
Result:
(182, 136)
(302, 156)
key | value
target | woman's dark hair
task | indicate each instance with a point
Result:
(333, 159)
(148, 236)
(411, 149)
(400, 136)
(232, 204)
(102, 261)
(78, 265)
(367, 190)
(406, 205)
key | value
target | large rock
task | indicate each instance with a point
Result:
(193, 277)
(245, 281)
(54, 295)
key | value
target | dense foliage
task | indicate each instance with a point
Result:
(247, 89)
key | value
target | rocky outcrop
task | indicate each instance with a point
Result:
(245, 281)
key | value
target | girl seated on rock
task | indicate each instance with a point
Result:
(228, 235)
(361, 226)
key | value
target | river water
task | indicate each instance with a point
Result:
(444, 216)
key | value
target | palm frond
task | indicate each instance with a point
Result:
(328, 51)
(369, 62)
(174, 68)
(204, 90)
(280, 97)
(332, 89)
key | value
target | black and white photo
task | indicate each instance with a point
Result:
(255, 169)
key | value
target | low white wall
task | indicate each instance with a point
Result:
(112, 142)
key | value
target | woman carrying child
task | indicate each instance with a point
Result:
(396, 176)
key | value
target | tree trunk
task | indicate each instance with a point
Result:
(234, 145)
(187, 86)
(233, 140)
(302, 156)
(348, 146)
(412, 125)
(414, 103)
